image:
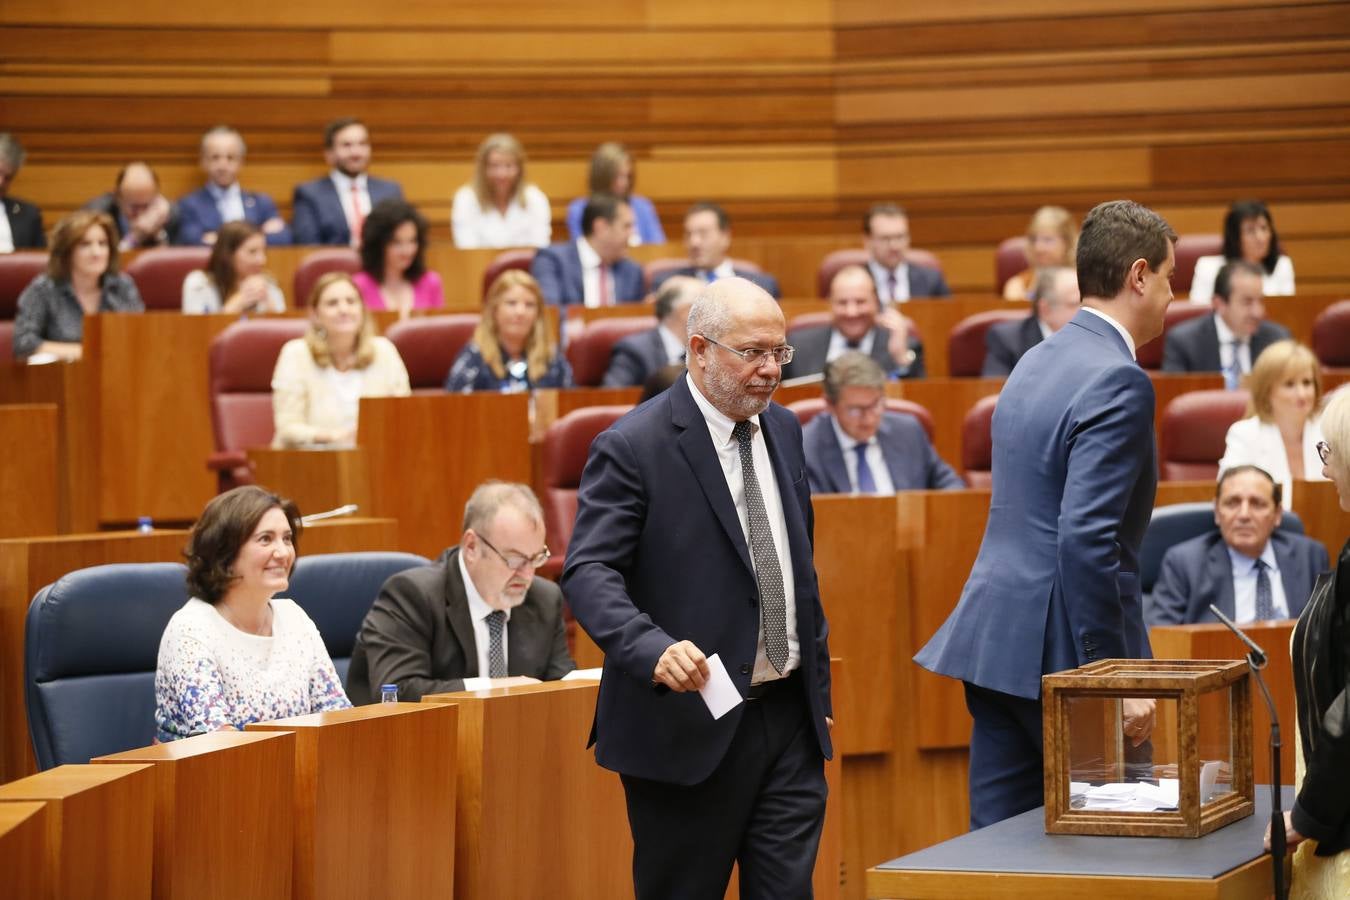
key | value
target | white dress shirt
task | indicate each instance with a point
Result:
(1120, 329)
(343, 183)
(729, 455)
(1228, 342)
(6, 233)
(229, 201)
(592, 270)
(1244, 585)
(876, 461)
(882, 277)
(674, 346)
(838, 345)
(478, 613)
(724, 269)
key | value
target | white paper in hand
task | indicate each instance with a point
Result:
(719, 691)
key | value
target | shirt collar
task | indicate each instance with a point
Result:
(719, 425)
(344, 181)
(847, 443)
(724, 269)
(219, 193)
(674, 346)
(478, 607)
(1243, 563)
(1129, 341)
(1226, 335)
(589, 258)
(838, 343)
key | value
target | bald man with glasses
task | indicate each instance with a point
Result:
(476, 614)
(857, 447)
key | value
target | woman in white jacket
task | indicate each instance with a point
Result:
(1281, 431)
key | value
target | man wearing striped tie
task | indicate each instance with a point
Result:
(1247, 568)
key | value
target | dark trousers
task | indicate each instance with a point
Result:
(763, 806)
(1007, 769)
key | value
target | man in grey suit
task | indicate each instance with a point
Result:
(887, 228)
(857, 323)
(1230, 340)
(638, 357)
(1054, 301)
(858, 447)
(1234, 568)
(20, 221)
(476, 614)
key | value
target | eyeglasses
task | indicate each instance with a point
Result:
(781, 355)
(857, 412)
(1324, 451)
(516, 561)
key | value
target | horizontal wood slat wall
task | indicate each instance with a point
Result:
(796, 113)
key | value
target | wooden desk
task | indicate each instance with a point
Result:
(427, 454)
(374, 801)
(23, 848)
(527, 780)
(30, 487)
(224, 822)
(28, 565)
(100, 828)
(316, 480)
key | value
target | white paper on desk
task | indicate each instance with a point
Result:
(583, 675)
(719, 691)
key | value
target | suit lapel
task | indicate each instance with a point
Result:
(1210, 360)
(1221, 571)
(696, 444)
(457, 614)
(886, 438)
(827, 445)
(775, 438)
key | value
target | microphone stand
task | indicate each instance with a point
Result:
(1256, 658)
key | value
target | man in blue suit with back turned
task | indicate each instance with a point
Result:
(1056, 582)
(693, 538)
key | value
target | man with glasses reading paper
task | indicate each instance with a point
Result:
(476, 614)
(691, 567)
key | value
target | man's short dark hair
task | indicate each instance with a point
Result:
(1114, 235)
(600, 206)
(330, 131)
(1276, 489)
(1223, 282)
(853, 368)
(881, 209)
(723, 220)
(220, 533)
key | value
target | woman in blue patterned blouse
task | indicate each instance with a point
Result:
(236, 653)
(512, 348)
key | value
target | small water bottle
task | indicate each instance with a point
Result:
(145, 525)
(388, 693)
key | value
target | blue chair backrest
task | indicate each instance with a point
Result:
(336, 590)
(1179, 522)
(90, 647)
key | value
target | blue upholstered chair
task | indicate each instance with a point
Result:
(90, 647)
(336, 590)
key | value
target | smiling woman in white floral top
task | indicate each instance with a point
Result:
(236, 653)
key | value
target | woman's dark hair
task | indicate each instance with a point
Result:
(378, 231)
(220, 266)
(216, 538)
(1240, 212)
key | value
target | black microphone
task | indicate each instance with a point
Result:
(1258, 660)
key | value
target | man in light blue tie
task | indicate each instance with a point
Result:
(1230, 340)
(857, 446)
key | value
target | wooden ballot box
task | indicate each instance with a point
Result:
(100, 828)
(23, 842)
(527, 780)
(374, 801)
(224, 821)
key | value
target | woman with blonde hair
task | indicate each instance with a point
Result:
(81, 280)
(1052, 240)
(235, 280)
(1281, 431)
(613, 172)
(320, 378)
(512, 348)
(500, 208)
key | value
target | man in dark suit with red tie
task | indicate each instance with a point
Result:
(331, 209)
(593, 270)
(693, 539)
(22, 225)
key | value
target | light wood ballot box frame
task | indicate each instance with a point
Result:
(527, 779)
(100, 828)
(29, 564)
(224, 818)
(23, 848)
(374, 801)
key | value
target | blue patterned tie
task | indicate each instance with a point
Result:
(1232, 373)
(1265, 601)
(866, 483)
(768, 572)
(496, 620)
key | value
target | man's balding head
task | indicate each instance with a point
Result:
(739, 316)
(853, 303)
